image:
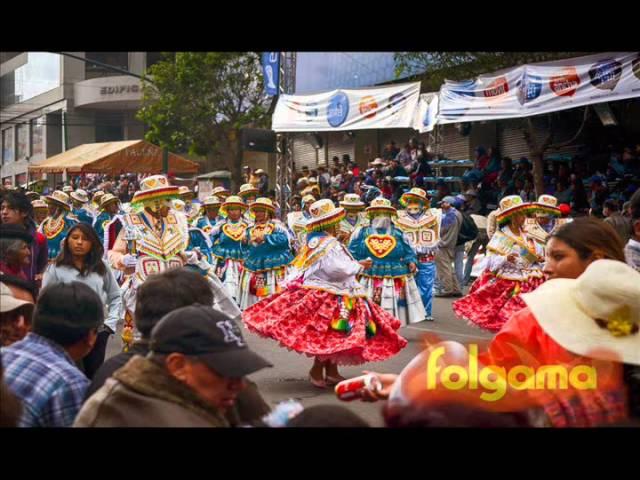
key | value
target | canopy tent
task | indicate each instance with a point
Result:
(134, 156)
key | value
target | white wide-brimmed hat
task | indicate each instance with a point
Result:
(155, 187)
(547, 204)
(352, 201)
(324, 215)
(596, 315)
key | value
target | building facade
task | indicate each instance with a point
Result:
(51, 103)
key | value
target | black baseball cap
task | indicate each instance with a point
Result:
(209, 335)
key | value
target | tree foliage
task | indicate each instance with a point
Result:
(433, 68)
(197, 102)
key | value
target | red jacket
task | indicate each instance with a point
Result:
(564, 408)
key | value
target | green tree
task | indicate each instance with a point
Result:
(197, 102)
(433, 68)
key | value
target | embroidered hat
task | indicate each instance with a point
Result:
(324, 215)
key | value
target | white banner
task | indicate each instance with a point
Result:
(541, 88)
(348, 109)
(426, 113)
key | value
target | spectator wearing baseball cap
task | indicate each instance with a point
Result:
(193, 374)
(157, 297)
(15, 316)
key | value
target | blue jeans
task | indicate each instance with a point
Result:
(425, 279)
(459, 264)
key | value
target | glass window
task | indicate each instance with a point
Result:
(7, 145)
(22, 149)
(114, 59)
(37, 136)
(7, 89)
(40, 74)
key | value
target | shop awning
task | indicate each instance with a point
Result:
(134, 156)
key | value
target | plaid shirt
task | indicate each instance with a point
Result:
(632, 254)
(45, 378)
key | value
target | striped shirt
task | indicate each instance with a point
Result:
(45, 378)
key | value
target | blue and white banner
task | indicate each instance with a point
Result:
(542, 88)
(348, 109)
(271, 72)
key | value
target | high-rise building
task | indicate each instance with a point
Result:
(50, 103)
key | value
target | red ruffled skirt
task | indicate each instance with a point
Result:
(346, 331)
(491, 300)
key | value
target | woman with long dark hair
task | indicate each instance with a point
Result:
(80, 260)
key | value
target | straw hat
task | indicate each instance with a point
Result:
(547, 204)
(39, 204)
(67, 189)
(378, 162)
(380, 206)
(308, 199)
(248, 190)
(155, 187)
(596, 315)
(324, 215)
(510, 205)
(352, 201)
(259, 172)
(185, 192)
(313, 180)
(263, 204)
(32, 195)
(220, 192)
(97, 195)
(415, 195)
(60, 199)
(80, 196)
(107, 199)
(234, 201)
(211, 201)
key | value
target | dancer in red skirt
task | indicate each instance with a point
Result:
(323, 311)
(513, 265)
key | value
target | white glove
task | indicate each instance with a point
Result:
(191, 258)
(129, 260)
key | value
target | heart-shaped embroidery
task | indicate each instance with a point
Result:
(380, 245)
(235, 231)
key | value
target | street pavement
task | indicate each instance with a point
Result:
(289, 376)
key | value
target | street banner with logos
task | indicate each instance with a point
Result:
(541, 88)
(348, 109)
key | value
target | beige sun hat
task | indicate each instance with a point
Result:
(8, 302)
(80, 196)
(596, 315)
